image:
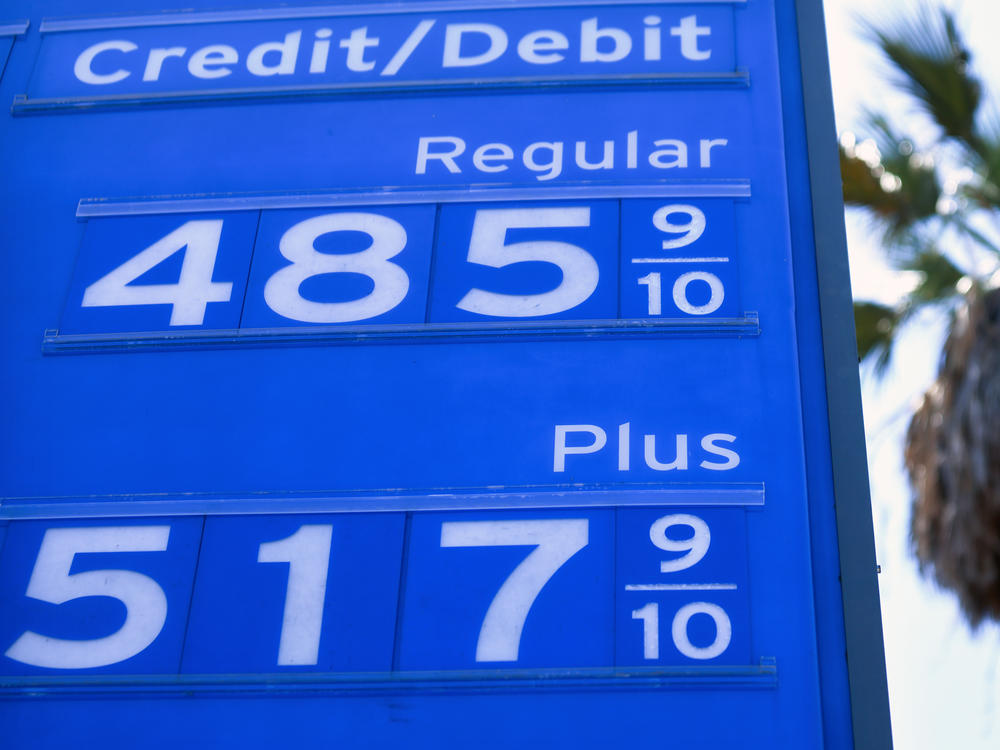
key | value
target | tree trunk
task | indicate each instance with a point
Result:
(953, 459)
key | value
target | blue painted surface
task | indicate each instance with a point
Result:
(5, 45)
(455, 274)
(239, 613)
(714, 252)
(826, 563)
(449, 589)
(9, 31)
(474, 415)
(109, 244)
(717, 578)
(417, 224)
(236, 612)
(89, 617)
(132, 271)
(392, 48)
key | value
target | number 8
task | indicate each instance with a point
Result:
(298, 245)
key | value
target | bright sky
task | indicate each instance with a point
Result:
(944, 682)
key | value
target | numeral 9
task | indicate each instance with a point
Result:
(689, 230)
(694, 546)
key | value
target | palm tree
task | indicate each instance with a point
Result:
(936, 202)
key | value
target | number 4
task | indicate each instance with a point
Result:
(555, 542)
(194, 288)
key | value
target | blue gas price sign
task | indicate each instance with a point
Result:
(322, 593)
(373, 266)
(446, 373)
(414, 44)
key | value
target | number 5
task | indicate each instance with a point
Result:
(487, 248)
(144, 600)
(555, 542)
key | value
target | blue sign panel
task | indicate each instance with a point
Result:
(367, 47)
(185, 273)
(87, 596)
(373, 265)
(444, 374)
(303, 593)
(549, 608)
(682, 597)
(8, 33)
(319, 592)
(336, 268)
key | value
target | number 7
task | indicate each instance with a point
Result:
(555, 542)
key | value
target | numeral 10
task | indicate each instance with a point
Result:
(694, 547)
(690, 231)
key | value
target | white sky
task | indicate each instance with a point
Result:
(944, 682)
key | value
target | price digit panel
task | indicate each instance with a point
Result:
(408, 265)
(387, 593)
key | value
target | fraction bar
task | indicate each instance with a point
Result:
(681, 587)
(680, 260)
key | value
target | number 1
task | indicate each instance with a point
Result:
(307, 553)
(652, 283)
(650, 616)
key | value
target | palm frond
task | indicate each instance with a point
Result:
(876, 327)
(933, 61)
(939, 279)
(905, 251)
(940, 220)
(896, 183)
(984, 188)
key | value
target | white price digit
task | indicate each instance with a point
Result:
(388, 238)
(199, 240)
(652, 283)
(694, 546)
(488, 247)
(307, 553)
(723, 630)
(650, 616)
(144, 600)
(718, 293)
(689, 230)
(555, 542)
